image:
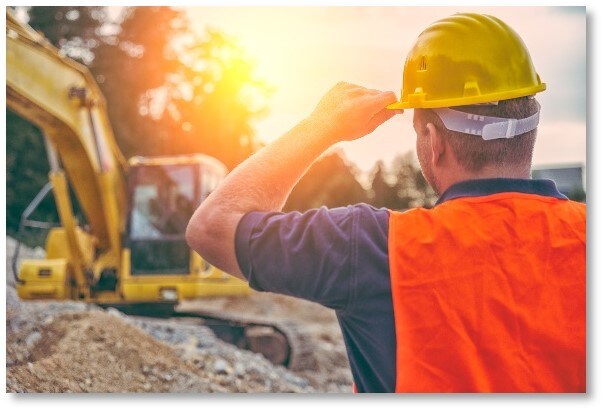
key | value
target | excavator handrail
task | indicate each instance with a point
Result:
(25, 222)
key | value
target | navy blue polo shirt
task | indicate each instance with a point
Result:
(339, 258)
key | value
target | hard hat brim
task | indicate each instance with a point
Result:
(419, 102)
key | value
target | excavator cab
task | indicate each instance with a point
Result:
(163, 197)
(163, 193)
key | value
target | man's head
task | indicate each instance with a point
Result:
(459, 65)
(447, 156)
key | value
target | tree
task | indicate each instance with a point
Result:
(132, 68)
(168, 90)
(380, 187)
(75, 30)
(385, 194)
(192, 94)
(412, 189)
(330, 182)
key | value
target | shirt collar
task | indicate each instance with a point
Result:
(485, 187)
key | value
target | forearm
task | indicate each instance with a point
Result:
(263, 182)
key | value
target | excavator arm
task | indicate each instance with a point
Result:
(61, 97)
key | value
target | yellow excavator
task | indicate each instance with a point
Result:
(130, 251)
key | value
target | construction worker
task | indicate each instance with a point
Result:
(485, 292)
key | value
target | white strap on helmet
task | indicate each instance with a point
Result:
(487, 127)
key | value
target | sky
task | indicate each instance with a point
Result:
(303, 51)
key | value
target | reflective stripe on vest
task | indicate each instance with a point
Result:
(489, 295)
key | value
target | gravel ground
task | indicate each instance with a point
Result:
(77, 347)
(331, 372)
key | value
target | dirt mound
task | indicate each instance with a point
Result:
(98, 352)
(95, 352)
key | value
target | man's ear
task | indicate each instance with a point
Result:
(437, 144)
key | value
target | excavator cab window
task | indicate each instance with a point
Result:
(162, 199)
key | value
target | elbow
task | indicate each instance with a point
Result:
(210, 234)
(197, 234)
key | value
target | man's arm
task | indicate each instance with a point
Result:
(264, 181)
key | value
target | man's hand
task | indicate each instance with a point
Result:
(348, 111)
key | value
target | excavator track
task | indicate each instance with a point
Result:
(282, 343)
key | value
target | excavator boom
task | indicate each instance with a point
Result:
(61, 97)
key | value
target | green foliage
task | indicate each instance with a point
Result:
(186, 94)
(131, 67)
(73, 29)
(168, 91)
(412, 190)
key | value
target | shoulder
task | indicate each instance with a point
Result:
(313, 254)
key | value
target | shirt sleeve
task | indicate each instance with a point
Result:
(312, 255)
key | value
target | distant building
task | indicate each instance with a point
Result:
(569, 179)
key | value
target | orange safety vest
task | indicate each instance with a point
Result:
(489, 295)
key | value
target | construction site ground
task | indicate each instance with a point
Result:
(76, 347)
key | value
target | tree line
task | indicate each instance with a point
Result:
(171, 91)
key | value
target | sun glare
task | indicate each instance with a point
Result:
(303, 51)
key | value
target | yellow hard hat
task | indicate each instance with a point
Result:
(467, 59)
